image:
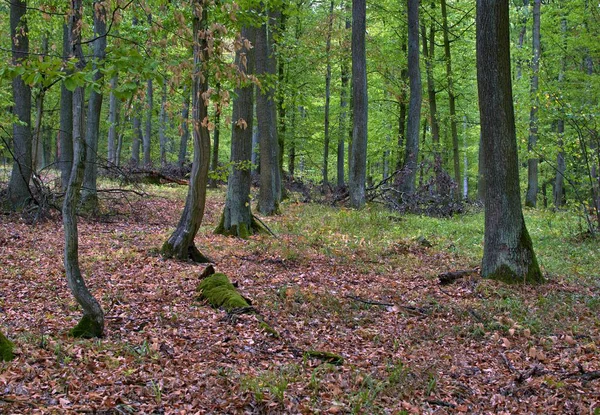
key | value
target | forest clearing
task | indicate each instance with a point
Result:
(360, 284)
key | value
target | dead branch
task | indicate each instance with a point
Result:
(411, 309)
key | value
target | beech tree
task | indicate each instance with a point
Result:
(180, 244)
(508, 251)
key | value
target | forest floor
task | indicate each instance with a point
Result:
(362, 285)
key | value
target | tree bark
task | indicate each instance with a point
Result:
(270, 178)
(89, 195)
(358, 160)
(508, 252)
(532, 163)
(65, 135)
(561, 167)
(137, 134)
(212, 182)
(113, 121)
(180, 244)
(237, 217)
(18, 188)
(184, 129)
(345, 78)
(92, 322)
(162, 126)
(411, 157)
(38, 157)
(147, 137)
(327, 95)
(428, 54)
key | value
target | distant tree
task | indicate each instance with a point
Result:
(65, 134)
(18, 187)
(180, 244)
(508, 252)
(532, 163)
(327, 95)
(184, 128)
(358, 157)
(92, 322)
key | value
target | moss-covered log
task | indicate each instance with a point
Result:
(6, 349)
(220, 293)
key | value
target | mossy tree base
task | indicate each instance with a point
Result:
(87, 328)
(181, 253)
(241, 230)
(6, 349)
(220, 293)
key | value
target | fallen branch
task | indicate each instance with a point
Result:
(416, 310)
(448, 278)
(534, 371)
(440, 403)
(585, 375)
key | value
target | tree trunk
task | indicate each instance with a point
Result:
(327, 95)
(532, 163)
(270, 179)
(451, 98)
(411, 157)
(38, 156)
(18, 187)
(358, 161)
(237, 217)
(137, 134)
(508, 252)
(113, 121)
(89, 195)
(180, 244)
(92, 322)
(561, 167)
(281, 109)
(147, 137)
(65, 135)
(402, 113)
(345, 78)
(428, 54)
(184, 129)
(162, 126)
(212, 182)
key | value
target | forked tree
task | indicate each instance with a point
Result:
(180, 244)
(508, 252)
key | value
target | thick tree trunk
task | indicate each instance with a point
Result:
(180, 244)
(147, 138)
(270, 178)
(237, 217)
(451, 98)
(65, 135)
(327, 95)
(18, 187)
(184, 129)
(358, 160)
(113, 121)
(92, 322)
(411, 157)
(532, 163)
(89, 195)
(508, 252)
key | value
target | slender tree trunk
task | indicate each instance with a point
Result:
(532, 163)
(508, 251)
(113, 121)
(281, 110)
(451, 98)
(137, 134)
(237, 216)
(18, 187)
(180, 244)
(89, 195)
(428, 54)
(402, 113)
(327, 95)
(38, 159)
(65, 134)
(561, 167)
(358, 161)
(212, 182)
(407, 181)
(184, 129)
(521, 40)
(92, 322)
(147, 137)
(270, 179)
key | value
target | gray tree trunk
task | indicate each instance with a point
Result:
(533, 161)
(65, 135)
(147, 138)
(92, 322)
(508, 252)
(137, 134)
(38, 158)
(407, 180)
(402, 114)
(89, 195)
(180, 244)
(214, 164)
(270, 178)
(327, 95)
(358, 160)
(237, 217)
(184, 129)
(18, 188)
(113, 121)
(162, 126)
(429, 54)
(561, 167)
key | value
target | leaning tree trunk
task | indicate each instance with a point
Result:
(180, 244)
(408, 180)
(508, 252)
(18, 187)
(532, 163)
(270, 174)
(358, 160)
(65, 134)
(237, 219)
(89, 194)
(92, 322)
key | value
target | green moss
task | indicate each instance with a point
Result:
(326, 357)
(241, 230)
(268, 329)
(6, 349)
(87, 328)
(220, 293)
